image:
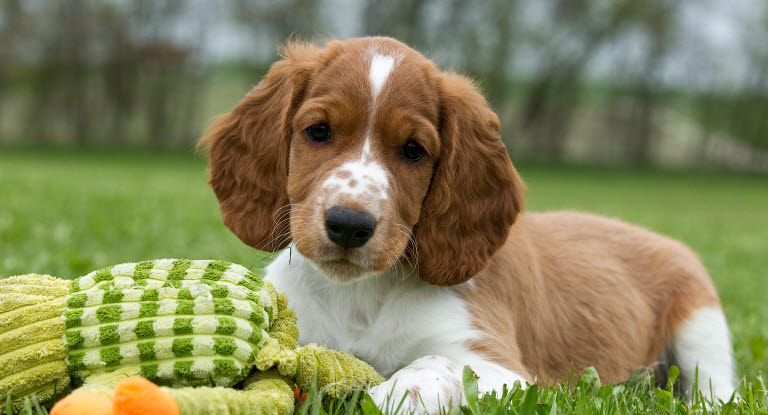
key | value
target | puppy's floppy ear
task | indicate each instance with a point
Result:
(248, 150)
(475, 194)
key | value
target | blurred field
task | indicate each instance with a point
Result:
(68, 213)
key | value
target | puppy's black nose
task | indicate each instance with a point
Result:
(349, 228)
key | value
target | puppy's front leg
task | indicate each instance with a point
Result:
(428, 384)
(434, 382)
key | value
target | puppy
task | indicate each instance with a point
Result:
(409, 247)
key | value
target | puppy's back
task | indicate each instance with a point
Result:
(587, 290)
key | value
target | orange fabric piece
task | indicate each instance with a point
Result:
(138, 396)
(84, 403)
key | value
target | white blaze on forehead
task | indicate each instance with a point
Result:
(367, 146)
(381, 67)
(365, 177)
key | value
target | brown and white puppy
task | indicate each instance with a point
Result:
(388, 179)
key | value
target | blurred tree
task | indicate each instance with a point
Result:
(10, 20)
(740, 112)
(655, 20)
(579, 30)
(568, 78)
(280, 19)
(107, 73)
(501, 16)
(401, 19)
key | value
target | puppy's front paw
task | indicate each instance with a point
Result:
(428, 384)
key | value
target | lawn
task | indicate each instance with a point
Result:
(68, 213)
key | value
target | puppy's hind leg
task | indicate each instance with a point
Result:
(703, 341)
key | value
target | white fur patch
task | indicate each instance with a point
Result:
(493, 377)
(366, 147)
(430, 384)
(419, 319)
(381, 67)
(705, 342)
(433, 384)
(359, 177)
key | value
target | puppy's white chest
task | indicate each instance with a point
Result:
(376, 333)
(385, 320)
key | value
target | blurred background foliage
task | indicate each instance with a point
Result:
(622, 82)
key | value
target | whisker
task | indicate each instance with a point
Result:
(298, 238)
(286, 209)
(286, 214)
(280, 238)
(288, 220)
(394, 249)
(272, 232)
(412, 247)
(277, 218)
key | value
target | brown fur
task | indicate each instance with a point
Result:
(248, 151)
(571, 288)
(475, 193)
(548, 290)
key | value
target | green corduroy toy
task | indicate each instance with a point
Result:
(199, 328)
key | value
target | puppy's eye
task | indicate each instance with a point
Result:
(413, 152)
(319, 133)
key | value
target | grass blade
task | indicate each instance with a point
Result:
(471, 392)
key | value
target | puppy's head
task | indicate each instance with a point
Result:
(363, 154)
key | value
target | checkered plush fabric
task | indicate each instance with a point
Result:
(178, 322)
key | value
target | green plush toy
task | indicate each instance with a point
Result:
(199, 328)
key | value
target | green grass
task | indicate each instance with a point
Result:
(68, 213)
